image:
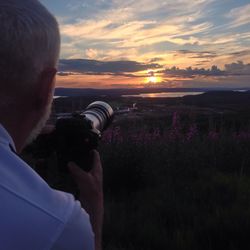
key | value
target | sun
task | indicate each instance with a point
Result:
(152, 79)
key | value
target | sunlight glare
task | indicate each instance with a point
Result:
(152, 79)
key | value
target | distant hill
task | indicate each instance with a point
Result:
(71, 92)
(218, 97)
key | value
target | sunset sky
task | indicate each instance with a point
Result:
(145, 43)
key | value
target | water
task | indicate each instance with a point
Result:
(241, 90)
(164, 94)
(55, 97)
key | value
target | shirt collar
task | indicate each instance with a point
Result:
(6, 138)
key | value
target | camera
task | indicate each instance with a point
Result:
(75, 135)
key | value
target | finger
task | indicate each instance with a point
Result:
(78, 174)
(96, 163)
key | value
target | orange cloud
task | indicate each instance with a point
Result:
(96, 81)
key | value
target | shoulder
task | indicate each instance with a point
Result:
(32, 211)
(77, 233)
(20, 180)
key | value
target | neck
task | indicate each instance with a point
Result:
(18, 128)
(18, 135)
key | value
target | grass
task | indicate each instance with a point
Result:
(181, 184)
(175, 191)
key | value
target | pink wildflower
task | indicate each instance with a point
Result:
(213, 135)
(193, 131)
(176, 127)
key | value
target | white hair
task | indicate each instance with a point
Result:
(29, 42)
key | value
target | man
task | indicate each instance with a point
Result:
(32, 215)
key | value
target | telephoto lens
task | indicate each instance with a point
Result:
(100, 113)
(77, 135)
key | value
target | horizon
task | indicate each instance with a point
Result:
(143, 43)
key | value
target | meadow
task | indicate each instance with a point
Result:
(176, 187)
(176, 175)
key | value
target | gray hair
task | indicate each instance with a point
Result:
(29, 42)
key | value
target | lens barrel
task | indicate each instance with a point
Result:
(100, 113)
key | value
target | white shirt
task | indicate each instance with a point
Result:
(34, 216)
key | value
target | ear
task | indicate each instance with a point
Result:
(45, 87)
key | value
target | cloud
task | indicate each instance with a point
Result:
(240, 16)
(98, 74)
(193, 72)
(197, 54)
(240, 53)
(97, 67)
(135, 33)
(233, 69)
(238, 68)
(91, 53)
(133, 24)
(132, 69)
(156, 59)
(215, 82)
(139, 30)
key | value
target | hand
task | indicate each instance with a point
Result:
(91, 193)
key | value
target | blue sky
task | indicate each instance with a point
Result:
(181, 33)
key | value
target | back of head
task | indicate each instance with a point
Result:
(29, 42)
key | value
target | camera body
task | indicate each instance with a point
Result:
(75, 135)
(74, 138)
